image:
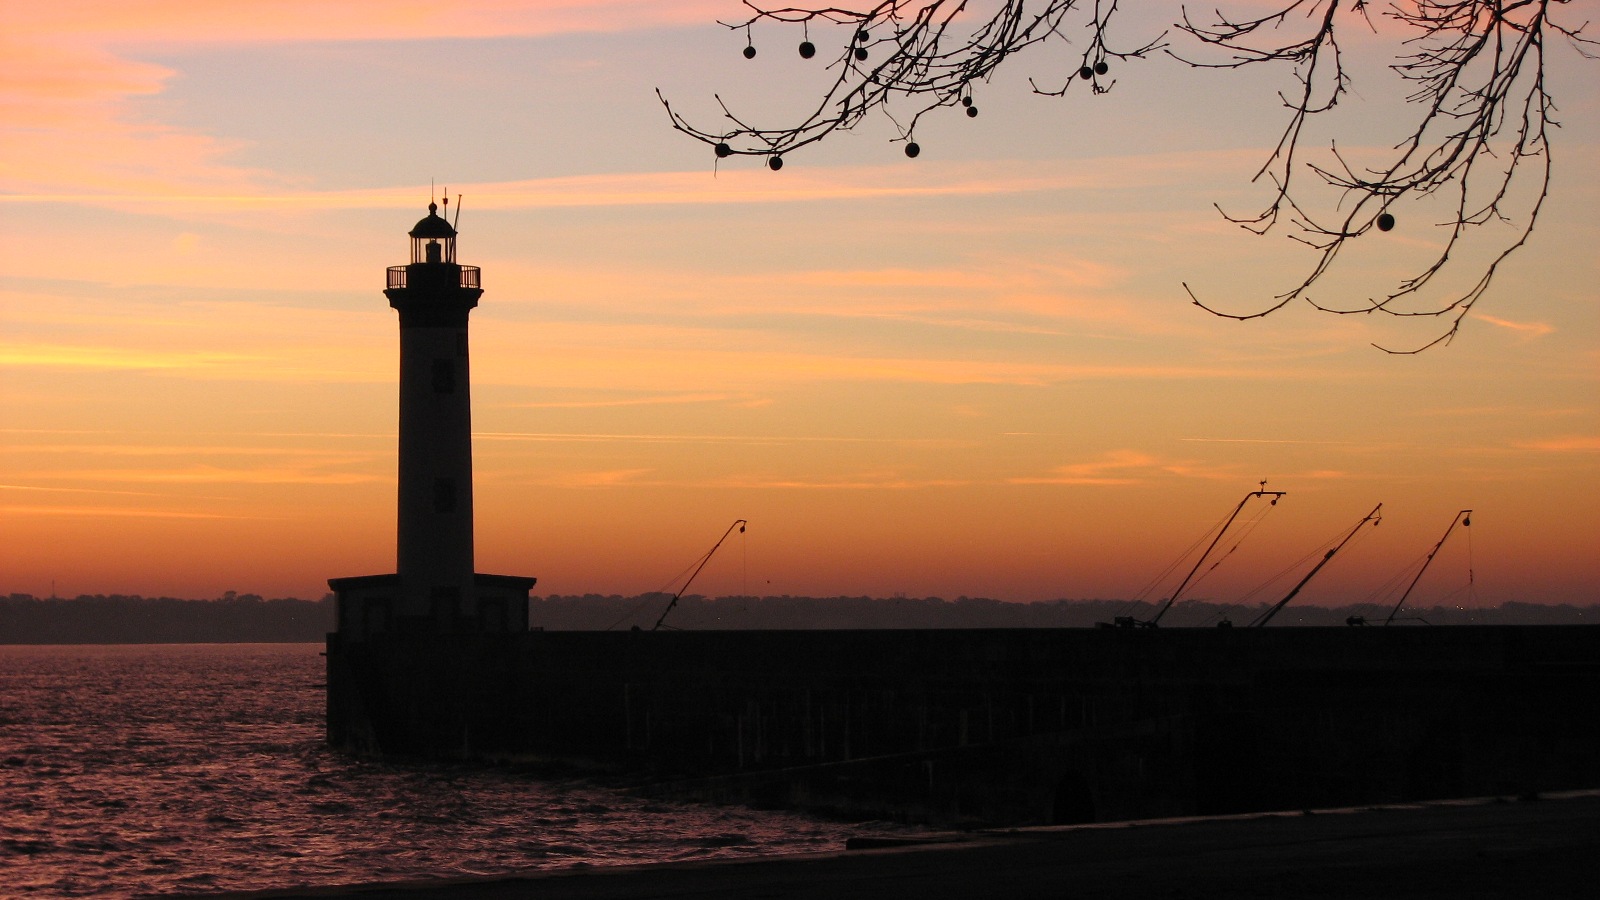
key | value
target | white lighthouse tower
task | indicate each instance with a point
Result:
(434, 588)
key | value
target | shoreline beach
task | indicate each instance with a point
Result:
(1485, 847)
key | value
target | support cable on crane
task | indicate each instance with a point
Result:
(1130, 622)
(1464, 517)
(1374, 517)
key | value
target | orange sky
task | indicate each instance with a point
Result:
(975, 373)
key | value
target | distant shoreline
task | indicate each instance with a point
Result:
(248, 618)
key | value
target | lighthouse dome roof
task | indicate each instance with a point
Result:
(433, 226)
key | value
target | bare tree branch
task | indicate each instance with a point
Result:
(1477, 145)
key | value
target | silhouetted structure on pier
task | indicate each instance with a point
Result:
(435, 588)
(1016, 726)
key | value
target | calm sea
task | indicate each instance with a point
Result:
(131, 770)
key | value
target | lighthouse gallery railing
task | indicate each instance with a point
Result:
(469, 276)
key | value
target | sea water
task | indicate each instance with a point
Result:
(140, 769)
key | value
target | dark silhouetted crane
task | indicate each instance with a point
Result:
(1465, 518)
(737, 523)
(1130, 622)
(1266, 617)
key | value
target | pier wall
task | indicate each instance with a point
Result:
(1000, 726)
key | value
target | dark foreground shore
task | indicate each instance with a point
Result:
(1533, 847)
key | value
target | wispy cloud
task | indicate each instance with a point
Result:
(1122, 467)
(69, 71)
(1526, 330)
(113, 512)
(558, 437)
(1004, 275)
(62, 490)
(1578, 444)
(259, 434)
(72, 93)
(602, 366)
(735, 186)
(61, 356)
(1058, 293)
(1258, 441)
(1320, 475)
(743, 400)
(594, 479)
(187, 451)
(183, 21)
(204, 474)
(864, 483)
(286, 362)
(636, 478)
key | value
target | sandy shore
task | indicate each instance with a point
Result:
(1542, 847)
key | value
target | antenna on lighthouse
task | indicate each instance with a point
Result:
(458, 210)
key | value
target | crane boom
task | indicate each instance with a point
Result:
(1465, 518)
(737, 523)
(1266, 617)
(1262, 492)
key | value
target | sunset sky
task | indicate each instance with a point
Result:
(973, 373)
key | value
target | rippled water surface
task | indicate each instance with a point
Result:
(188, 768)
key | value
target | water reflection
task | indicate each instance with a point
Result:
(142, 769)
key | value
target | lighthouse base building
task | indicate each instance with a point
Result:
(377, 604)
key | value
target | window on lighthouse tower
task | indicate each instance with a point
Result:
(434, 253)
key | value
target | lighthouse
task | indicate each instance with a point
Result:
(433, 295)
(435, 587)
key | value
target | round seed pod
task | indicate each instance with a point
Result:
(972, 112)
(1385, 222)
(749, 52)
(912, 149)
(807, 49)
(724, 151)
(775, 163)
(861, 54)
(1086, 73)
(1100, 68)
